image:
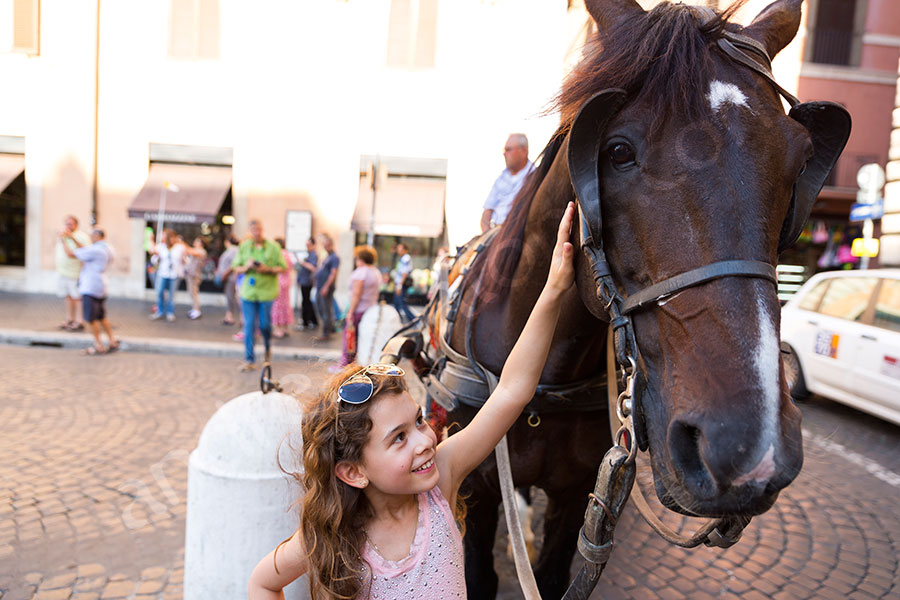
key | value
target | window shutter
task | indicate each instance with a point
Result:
(208, 29)
(399, 34)
(194, 29)
(425, 34)
(411, 33)
(26, 26)
(182, 23)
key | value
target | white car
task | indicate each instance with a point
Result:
(840, 338)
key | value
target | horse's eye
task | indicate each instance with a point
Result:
(621, 154)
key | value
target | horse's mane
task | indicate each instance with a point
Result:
(660, 58)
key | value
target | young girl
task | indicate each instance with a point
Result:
(376, 516)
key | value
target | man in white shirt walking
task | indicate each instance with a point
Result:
(95, 259)
(510, 181)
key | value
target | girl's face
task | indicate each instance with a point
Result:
(399, 456)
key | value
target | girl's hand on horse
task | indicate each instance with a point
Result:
(562, 265)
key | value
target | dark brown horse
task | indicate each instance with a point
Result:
(692, 161)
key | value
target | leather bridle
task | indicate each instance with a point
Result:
(620, 310)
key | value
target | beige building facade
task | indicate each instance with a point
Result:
(276, 110)
(292, 97)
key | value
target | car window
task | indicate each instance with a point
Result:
(811, 299)
(847, 297)
(887, 306)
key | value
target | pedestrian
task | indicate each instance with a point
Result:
(325, 278)
(169, 254)
(306, 270)
(282, 315)
(95, 259)
(402, 281)
(193, 273)
(225, 277)
(260, 260)
(364, 283)
(381, 507)
(67, 270)
(435, 287)
(509, 182)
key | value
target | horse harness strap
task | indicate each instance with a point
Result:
(717, 270)
(463, 380)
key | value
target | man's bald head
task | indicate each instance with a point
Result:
(516, 152)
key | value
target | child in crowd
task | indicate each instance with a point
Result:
(376, 514)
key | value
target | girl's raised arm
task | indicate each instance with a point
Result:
(462, 452)
(279, 568)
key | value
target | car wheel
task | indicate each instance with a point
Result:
(793, 372)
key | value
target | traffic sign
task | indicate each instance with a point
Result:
(861, 212)
(870, 177)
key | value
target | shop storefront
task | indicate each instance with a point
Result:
(405, 208)
(824, 244)
(193, 200)
(12, 210)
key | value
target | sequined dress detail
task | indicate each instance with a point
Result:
(433, 570)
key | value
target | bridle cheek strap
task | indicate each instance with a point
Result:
(716, 270)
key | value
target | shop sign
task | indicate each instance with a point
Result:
(865, 247)
(862, 212)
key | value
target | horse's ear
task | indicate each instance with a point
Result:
(608, 13)
(776, 25)
(585, 138)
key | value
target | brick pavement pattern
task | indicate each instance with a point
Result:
(93, 468)
(93, 477)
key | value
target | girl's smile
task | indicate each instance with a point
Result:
(427, 467)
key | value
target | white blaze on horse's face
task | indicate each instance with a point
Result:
(766, 364)
(722, 93)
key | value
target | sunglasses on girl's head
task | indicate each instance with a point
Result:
(359, 387)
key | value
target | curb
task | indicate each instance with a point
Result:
(23, 337)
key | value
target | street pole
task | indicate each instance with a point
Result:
(868, 230)
(376, 167)
(160, 219)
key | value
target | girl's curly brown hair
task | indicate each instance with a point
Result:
(333, 514)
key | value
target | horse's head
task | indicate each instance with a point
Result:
(691, 160)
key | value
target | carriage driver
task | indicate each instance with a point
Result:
(510, 181)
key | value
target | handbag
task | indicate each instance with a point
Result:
(350, 339)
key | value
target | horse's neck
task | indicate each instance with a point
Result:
(579, 337)
(554, 193)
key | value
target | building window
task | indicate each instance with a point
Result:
(837, 32)
(412, 34)
(24, 33)
(194, 29)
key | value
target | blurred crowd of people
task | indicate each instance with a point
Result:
(257, 276)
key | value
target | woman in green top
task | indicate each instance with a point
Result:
(260, 260)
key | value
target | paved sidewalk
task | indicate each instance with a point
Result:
(33, 320)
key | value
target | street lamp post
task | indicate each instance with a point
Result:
(160, 219)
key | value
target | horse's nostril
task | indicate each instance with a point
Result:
(684, 444)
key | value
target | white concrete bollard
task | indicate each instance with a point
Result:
(239, 500)
(376, 327)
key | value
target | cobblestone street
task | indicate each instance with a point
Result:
(93, 457)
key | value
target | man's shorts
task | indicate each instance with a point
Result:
(93, 309)
(67, 287)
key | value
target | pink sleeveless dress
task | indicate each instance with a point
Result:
(433, 570)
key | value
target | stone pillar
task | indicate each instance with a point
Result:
(889, 256)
